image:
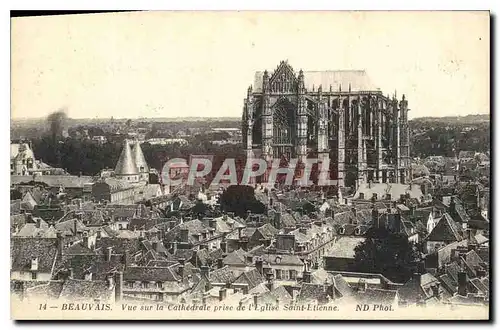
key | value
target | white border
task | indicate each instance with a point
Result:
(198, 5)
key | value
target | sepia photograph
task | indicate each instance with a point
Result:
(250, 165)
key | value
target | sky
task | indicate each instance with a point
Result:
(200, 64)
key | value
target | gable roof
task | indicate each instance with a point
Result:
(344, 247)
(252, 277)
(357, 79)
(24, 250)
(237, 257)
(445, 230)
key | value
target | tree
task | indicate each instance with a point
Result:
(240, 199)
(387, 253)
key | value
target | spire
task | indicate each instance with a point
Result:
(138, 157)
(126, 164)
(349, 87)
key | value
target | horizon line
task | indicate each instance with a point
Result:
(205, 117)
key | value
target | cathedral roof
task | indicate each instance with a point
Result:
(358, 79)
(126, 164)
(138, 157)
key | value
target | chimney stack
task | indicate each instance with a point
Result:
(220, 263)
(223, 245)
(126, 258)
(109, 252)
(109, 280)
(118, 286)
(270, 283)
(222, 294)
(184, 235)
(181, 270)
(462, 284)
(205, 271)
(259, 264)
(60, 244)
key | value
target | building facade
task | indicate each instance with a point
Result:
(336, 115)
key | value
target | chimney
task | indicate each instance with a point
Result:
(303, 230)
(184, 235)
(212, 223)
(181, 269)
(361, 195)
(109, 281)
(118, 286)
(362, 286)
(223, 245)
(259, 264)
(220, 263)
(270, 283)
(245, 288)
(29, 218)
(126, 258)
(75, 227)
(222, 294)
(397, 222)
(462, 284)
(255, 299)
(435, 291)
(86, 241)
(306, 276)
(60, 244)
(109, 252)
(239, 232)
(174, 247)
(388, 197)
(375, 217)
(277, 220)
(354, 211)
(412, 210)
(205, 271)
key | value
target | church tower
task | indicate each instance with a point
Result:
(125, 167)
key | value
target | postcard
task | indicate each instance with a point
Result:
(320, 165)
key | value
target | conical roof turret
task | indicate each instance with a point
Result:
(138, 157)
(126, 164)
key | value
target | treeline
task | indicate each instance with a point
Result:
(86, 157)
(445, 139)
